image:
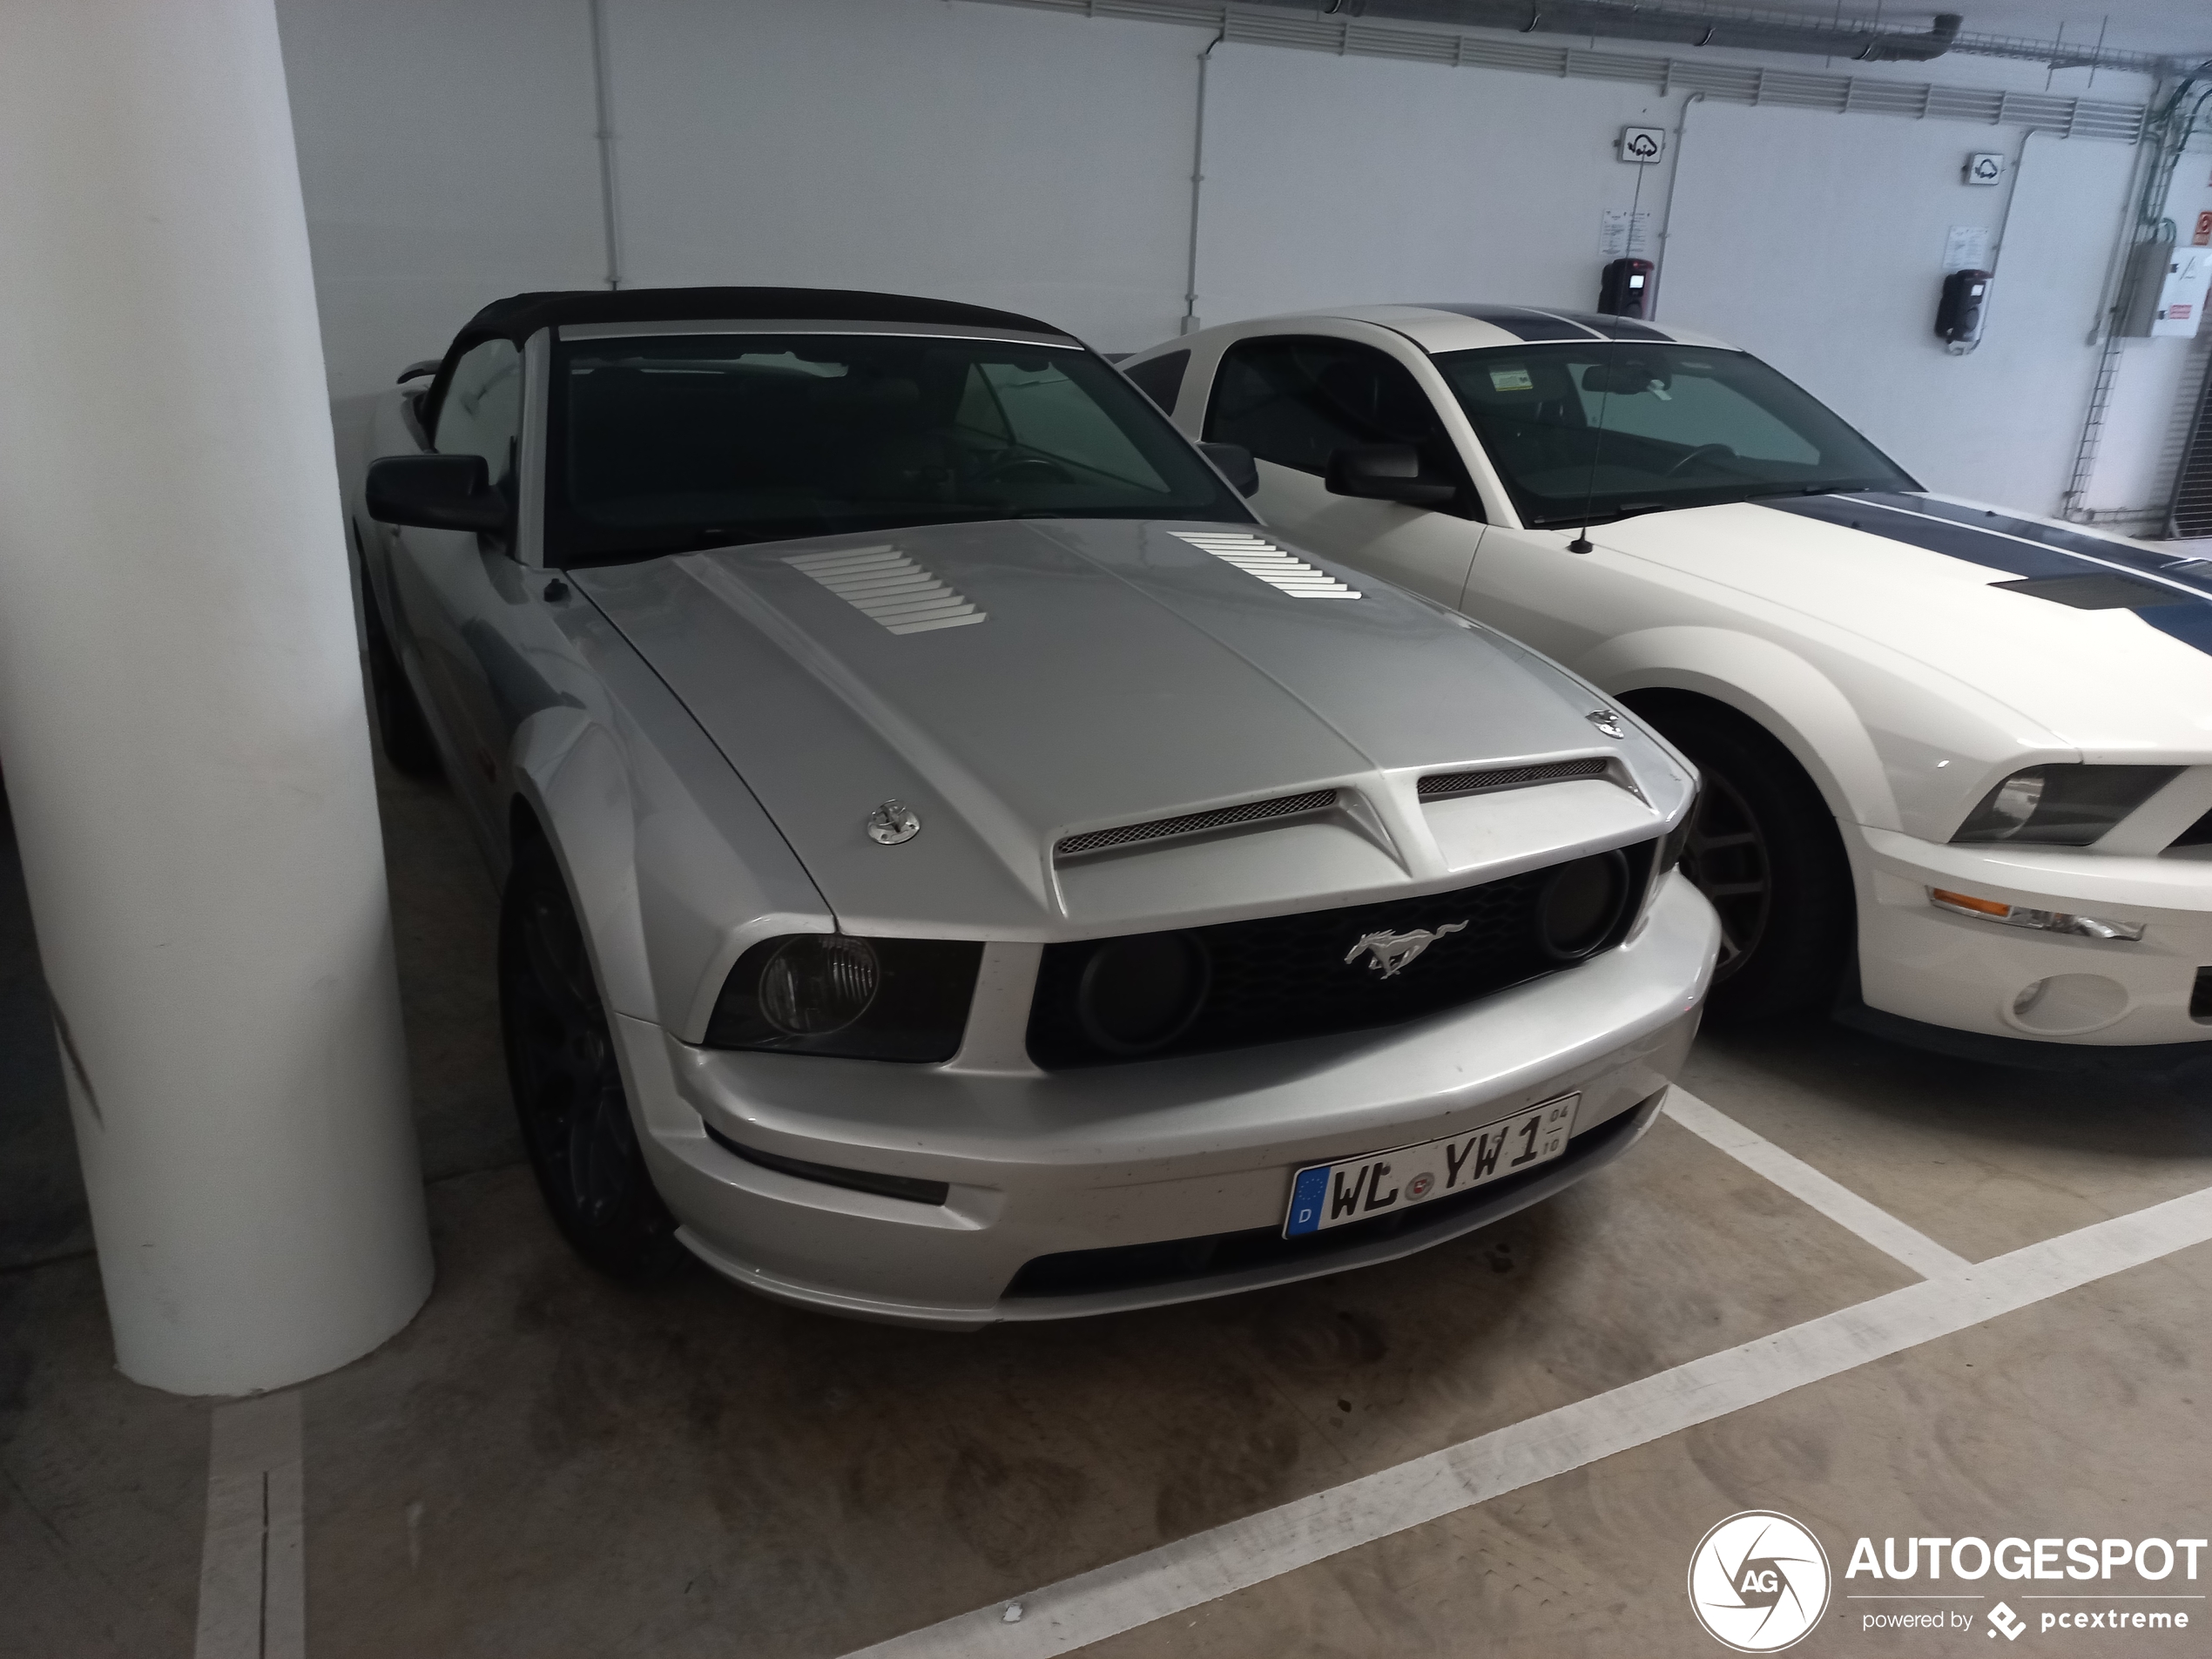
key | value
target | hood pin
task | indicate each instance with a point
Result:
(1606, 721)
(892, 823)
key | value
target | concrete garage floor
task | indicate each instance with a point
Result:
(547, 1464)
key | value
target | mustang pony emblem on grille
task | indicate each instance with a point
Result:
(1388, 952)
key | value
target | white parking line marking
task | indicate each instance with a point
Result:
(1209, 1565)
(252, 1581)
(1833, 1199)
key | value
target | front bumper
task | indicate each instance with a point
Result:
(1195, 1151)
(1938, 967)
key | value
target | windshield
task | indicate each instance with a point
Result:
(1585, 433)
(664, 444)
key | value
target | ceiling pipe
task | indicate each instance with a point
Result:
(1643, 23)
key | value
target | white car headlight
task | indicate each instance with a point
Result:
(2062, 805)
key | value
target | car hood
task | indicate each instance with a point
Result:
(2114, 670)
(1013, 683)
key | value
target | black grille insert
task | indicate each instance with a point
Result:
(1129, 1267)
(2197, 834)
(1442, 785)
(1326, 971)
(2201, 997)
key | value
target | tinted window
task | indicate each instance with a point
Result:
(483, 411)
(670, 442)
(1161, 379)
(1592, 431)
(1295, 402)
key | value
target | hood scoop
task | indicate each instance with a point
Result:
(1255, 557)
(1446, 785)
(884, 584)
(1161, 829)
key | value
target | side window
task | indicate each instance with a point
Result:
(1161, 379)
(483, 411)
(1295, 400)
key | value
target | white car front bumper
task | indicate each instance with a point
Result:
(1923, 962)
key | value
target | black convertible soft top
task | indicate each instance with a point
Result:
(521, 315)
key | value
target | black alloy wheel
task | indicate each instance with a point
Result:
(1726, 858)
(568, 1088)
(1765, 851)
(400, 723)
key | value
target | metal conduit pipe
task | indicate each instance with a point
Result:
(1643, 23)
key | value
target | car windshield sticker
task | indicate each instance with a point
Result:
(883, 582)
(1959, 533)
(1511, 380)
(1267, 562)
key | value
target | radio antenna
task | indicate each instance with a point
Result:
(1581, 542)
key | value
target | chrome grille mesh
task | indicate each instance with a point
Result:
(1440, 786)
(1192, 823)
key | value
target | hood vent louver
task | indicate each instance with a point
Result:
(1255, 557)
(1319, 800)
(1443, 785)
(884, 584)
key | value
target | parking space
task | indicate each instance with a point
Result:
(546, 1462)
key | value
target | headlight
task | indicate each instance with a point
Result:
(864, 999)
(2062, 806)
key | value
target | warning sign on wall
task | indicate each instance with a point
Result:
(2203, 236)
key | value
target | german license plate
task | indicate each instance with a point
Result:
(1335, 1194)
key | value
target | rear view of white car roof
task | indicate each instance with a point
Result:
(1452, 326)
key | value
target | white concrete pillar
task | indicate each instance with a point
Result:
(180, 710)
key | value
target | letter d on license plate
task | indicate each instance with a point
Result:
(1335, 1194)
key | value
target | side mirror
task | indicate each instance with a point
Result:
(1235, 464)
(1385, 472)
(435, 493)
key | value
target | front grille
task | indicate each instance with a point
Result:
(2201, 997)
(1159, 829)
(1173, 1261)
(2197, 834)
(1304, 975)
(1442, 785)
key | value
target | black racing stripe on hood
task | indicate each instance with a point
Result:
(2095, 547)
(2191, 624)
(1954, 541)
(1517, 321)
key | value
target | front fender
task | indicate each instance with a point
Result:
(1799, 706)
(569, 771)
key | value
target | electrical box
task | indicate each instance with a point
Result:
(1625, 289)
(2165, 291)
(1960, 313)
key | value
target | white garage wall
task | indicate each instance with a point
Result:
(1042, 163)
(1008, 158)
(1871, 207)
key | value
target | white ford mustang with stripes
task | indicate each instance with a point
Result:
(1957, 760)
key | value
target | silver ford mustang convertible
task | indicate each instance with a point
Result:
(958, 866)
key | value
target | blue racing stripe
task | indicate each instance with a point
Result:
(1986, 539)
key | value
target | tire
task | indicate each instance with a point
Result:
(1765, 850)
(400, 723)
(569, 1096)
